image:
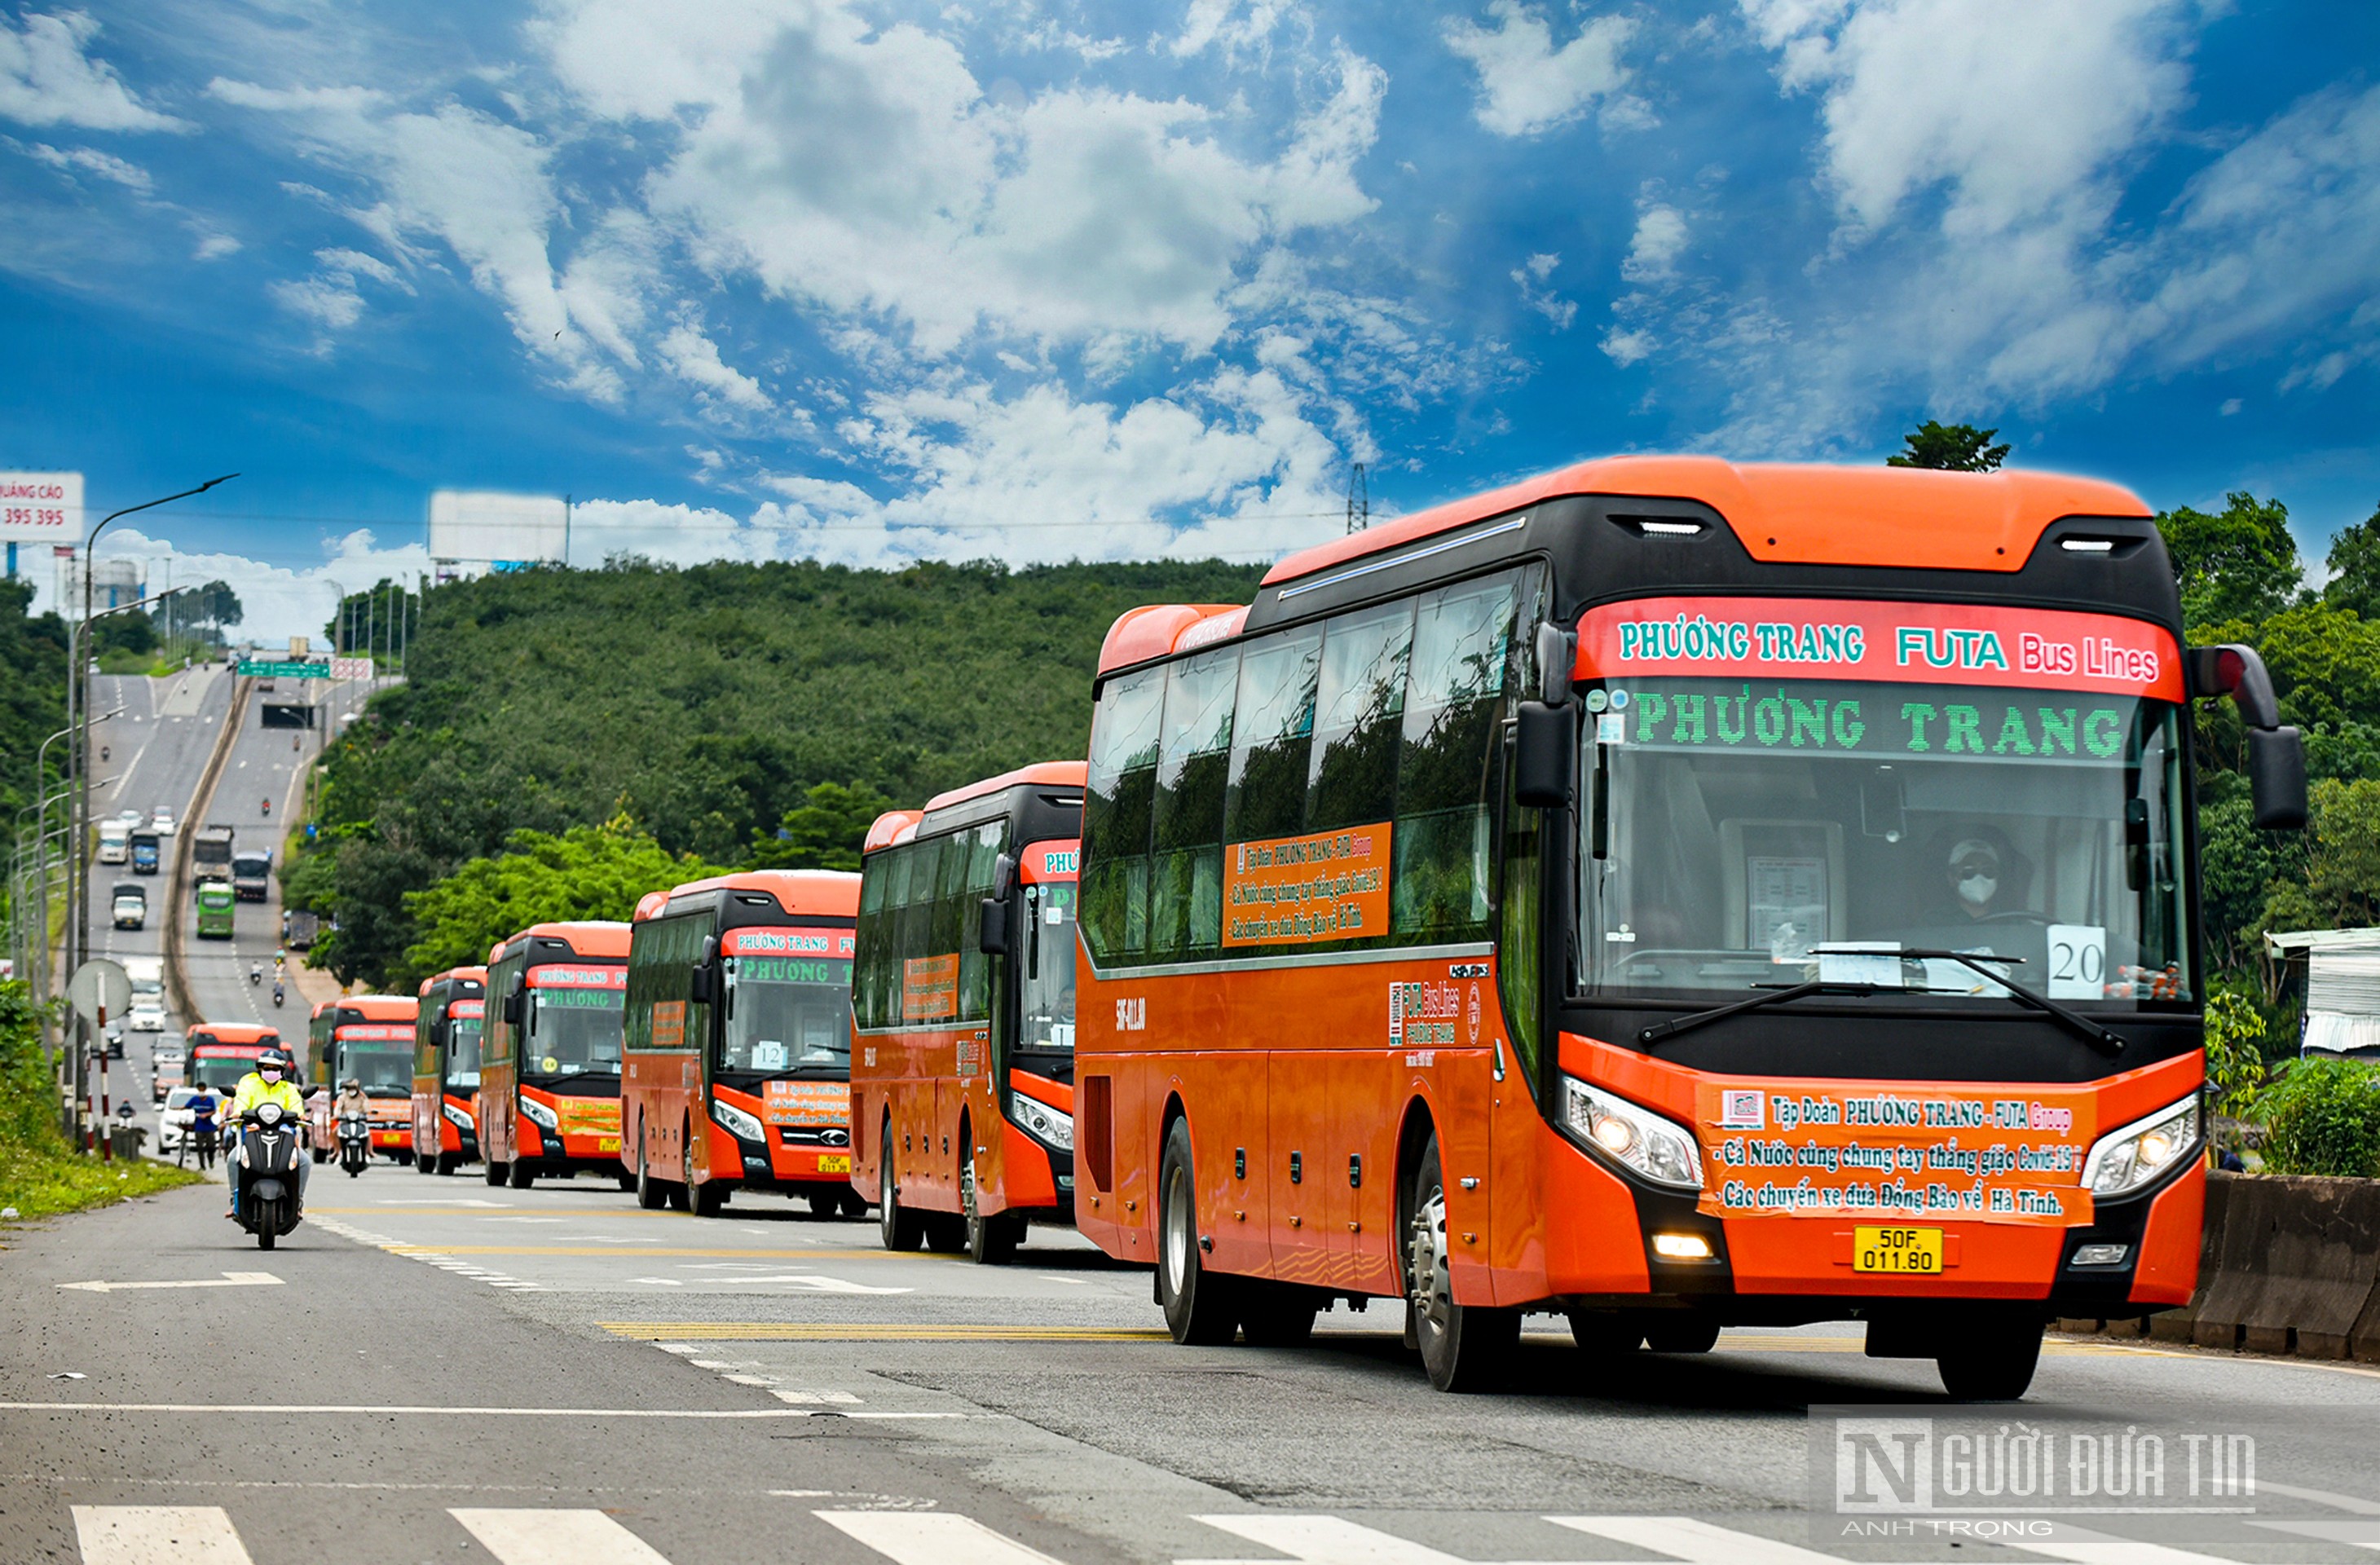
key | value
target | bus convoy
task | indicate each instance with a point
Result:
(1666, 894)
(366, 1038)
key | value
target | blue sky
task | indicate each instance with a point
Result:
(1045, 280)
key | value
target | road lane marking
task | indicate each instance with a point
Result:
(931, 1538)
(228, 1280)
(356, 1409)
(1697, 1543)
(402, 1248)
(1323, 1540)
(157, 1534)
(2085, 1547)
(856, 1331)
(556, 1537)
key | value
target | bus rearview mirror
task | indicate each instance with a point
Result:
(993, 939)
(515, 1007)
(2276, 778)
(697, 984)
(1545, 758)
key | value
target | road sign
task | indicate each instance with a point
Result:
(100, 984)
(252, 668)
(351, 668)
(37, 507)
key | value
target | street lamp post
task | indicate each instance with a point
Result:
(77, 772)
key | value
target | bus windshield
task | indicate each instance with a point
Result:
(787, 1014)
(462, 1052)
(210, 1068)
(572, 1031)
(1048, 965)
(384, 1069)
(1749, 832)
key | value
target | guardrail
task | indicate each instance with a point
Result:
(177, 883)
(2288, 1265)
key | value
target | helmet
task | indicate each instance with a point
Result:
(273, 1060)
(353, 1083)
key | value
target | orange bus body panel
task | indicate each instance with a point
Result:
(432, 1127)
(391, 1118)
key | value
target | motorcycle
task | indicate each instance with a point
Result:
(355, 1143)
(256, 974)
(276, 997)
(268, 807)
(266, 1156)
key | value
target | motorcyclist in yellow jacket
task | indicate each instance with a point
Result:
(268, 1082)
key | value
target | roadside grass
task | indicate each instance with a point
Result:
(41, 1173)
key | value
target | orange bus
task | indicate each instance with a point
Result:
(550, 1070)
(1669, 894)
(737, 1044)
(447, 1069)
(962, 1093)
(368, 1037)
(219, 1053)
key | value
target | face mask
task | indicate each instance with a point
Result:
(271, 1078)
(1978, 889)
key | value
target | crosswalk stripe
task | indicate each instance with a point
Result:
(1697, 1543)
(556, 1537)
(157, 1534)
(2082, 1547)
(931, 1538)
(1325, 1540)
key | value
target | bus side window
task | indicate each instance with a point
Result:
(1187, 899)
(1357, 709)
(983, 846)
(868, 949)
(1272, 737)
(1116, 815)
(1460, 640)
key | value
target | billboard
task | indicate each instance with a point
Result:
(35, 507)
(476, 527)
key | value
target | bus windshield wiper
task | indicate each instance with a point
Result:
(2090, 1031)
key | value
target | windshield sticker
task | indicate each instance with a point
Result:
(554, 976)
(806, 1103)
(1958, 723)
(1973, 644)
(929, 987)
(1295, 891)
(1825, 1152)
(462, 1008)
(1046, 862)
(669, 1023)
(789, 943)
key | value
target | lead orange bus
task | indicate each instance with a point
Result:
(550, 1064)
(1670, 894)
(737, 1046)
(962, 1093)
(446, 1035)
(367, 1038)
(219, 1053)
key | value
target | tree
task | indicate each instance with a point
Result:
(2242, 564)
(2355, 569)
(586, 872)
(1956, 448)
(218, 605)
(824, 833)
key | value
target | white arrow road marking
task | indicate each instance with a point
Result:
(931, 1538)
(157, 1534)
(1682, 1538)
(2087, 1547)
(557, 1538)
(228, 1280)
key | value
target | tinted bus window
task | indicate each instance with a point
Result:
(1115, 813)
(573, 1030)
(1462, 638)
(1357, 706)
(462, 1052)
(1186, 906)
(1049, 982)
(383, 1068)
(785, 1014)
(1272, 734)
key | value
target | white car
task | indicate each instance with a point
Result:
(162, 823)
(173, 1119)
(146, 1019)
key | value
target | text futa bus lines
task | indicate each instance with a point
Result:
(549, 1067)
(962, 1095)
(369, 1038)
(737, 1047)
(447, 1069)
(1669, 893)
(219, 1053)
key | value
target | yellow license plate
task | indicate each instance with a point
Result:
(607, 1144)
(1913, 1252)
(834, 1162)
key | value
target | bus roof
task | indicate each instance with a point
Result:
(1801, 514)
(828, 893)
(231, 1032)
(321, 1009)
(596, 938)
(891, 827)
(1055, 773)
(467, 975)
(380, 1007)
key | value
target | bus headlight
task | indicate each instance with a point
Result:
(1660, 1149)
(538, 1114)
(2125, 1159)
(1047, 1125)
(736, 1122)
(461, 1118)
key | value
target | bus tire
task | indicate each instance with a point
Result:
(1687, 1334)
(899, 1227)
(649, 1194)
(1992, 1361)
(1201, 1307)
(1277, 1315)
(627, 1180)
(681, 1192)
(424, 1165)
(521, 1174)
(449, 1161)
(825, 1203)
(494, 1172)
(1463, 1347)
(707, 1199)
(945, 1233)
(989, 1241)
(854, 1205)
(1605, 1333)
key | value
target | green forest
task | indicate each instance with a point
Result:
(643, 719)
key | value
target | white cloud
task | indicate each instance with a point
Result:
(95, 164)
(1660, 239)
(1530, 276)
(1236, 26)
(696, 359)
(1527, 86)
(280, 596)
(47, 77)
(214, 246)
(1625, 346)
(330, 304)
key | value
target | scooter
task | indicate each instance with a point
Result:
(276, 997)
(355, 1143)
(268, 807)
(256, 974)
(265, 1155)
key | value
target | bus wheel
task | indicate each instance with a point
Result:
(1690, 1334)
(424, 1165)
(494, 1172)
(521, 1174)
(627, 1180)
(1277, 1315)
(1993, 1360)
(854, 1205)
(989, 1241)
(1200, 1310)
(449, 1161)
(1463, 1346)
(945, 1233)
(650, 1195)
(901, 1229)
(1605, 1333)
(825, 1203)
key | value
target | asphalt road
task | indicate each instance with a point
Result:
(764, 1386)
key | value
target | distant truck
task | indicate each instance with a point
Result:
(144, 852)
(251, 873)
(298, 930)
(115, 842)
(131, 904)
(210, 856)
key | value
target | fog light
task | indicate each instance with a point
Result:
(1682, 1246)
(2101, 1255)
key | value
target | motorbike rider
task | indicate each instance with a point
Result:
(269, 1083)
(268, 805)
(276, 992)
(256, 972)
(351, 1101)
